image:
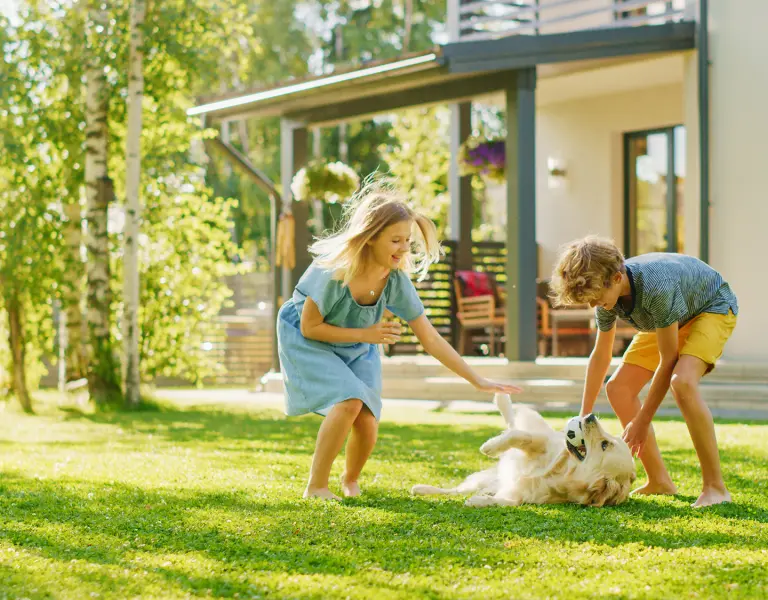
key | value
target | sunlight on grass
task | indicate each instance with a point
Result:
(201, 501)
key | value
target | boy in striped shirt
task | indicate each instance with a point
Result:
(684, 312)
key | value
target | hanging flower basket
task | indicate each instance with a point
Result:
(487, 157)
(330, 182)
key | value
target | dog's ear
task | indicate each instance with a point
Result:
(604, 491)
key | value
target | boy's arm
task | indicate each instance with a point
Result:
(667, 341)
(637, 430)
(597, 367)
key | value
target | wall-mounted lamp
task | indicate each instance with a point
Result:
(556, 173)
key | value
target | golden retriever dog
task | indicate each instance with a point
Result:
(536, 466)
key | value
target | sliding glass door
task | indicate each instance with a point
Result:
(654, 178)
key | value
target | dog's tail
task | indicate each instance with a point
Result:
(485, 481)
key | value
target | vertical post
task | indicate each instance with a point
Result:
(454, 20)
(702, 38)
(521, 217)
(460, 193)
(671, 193)
(293, 156)
(460, 188)
(277, 277)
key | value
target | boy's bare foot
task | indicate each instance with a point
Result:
(350, 489)
(711, 496)
(653, 488)
(323, 493)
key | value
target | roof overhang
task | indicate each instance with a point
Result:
(520, 51)
(452, 73)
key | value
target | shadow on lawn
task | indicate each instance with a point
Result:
(242, 430)
(123, 526)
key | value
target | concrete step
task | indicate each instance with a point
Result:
(557, 394)
(551, 368)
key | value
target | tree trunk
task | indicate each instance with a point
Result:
(72, 343)
(131, 330)
(408, 24)
(18, 352)
(343, 147)
(103, 381)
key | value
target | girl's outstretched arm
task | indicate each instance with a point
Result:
(436, 346)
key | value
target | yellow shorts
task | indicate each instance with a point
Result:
(703, 337)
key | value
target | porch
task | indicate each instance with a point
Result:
(509, 67)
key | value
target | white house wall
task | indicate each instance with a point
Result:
(585, 135)
(739, 193)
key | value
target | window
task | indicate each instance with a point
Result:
(654, 181)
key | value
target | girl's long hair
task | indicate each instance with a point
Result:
(376, 206)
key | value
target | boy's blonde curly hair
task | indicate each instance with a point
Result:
(584, 270)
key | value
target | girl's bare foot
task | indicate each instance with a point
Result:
(350, 488)
(653, 488)
(323, 493)
(711, 496)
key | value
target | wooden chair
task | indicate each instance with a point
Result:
(545, 328)
(478, 312)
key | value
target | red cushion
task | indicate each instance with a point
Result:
(475, 284)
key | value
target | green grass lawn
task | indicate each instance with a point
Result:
(204, 501)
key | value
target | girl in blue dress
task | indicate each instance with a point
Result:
(329, 331)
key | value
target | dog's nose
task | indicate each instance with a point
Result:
(590, 418)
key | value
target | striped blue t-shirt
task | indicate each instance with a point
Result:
(669, 288)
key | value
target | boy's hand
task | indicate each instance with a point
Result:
(636, 433)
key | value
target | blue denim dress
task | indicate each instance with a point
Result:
(319, 375)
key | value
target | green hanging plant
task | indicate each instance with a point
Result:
(330, 182)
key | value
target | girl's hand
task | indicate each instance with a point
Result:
(383, 332)
(494, 387)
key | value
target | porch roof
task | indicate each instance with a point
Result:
(449, 73)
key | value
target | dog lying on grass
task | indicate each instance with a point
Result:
(537, 466)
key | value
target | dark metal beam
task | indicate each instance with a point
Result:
(702, 39)
(294, 153)
(460, 188)
(246, 166)
(671, 192)
(519, 51)
(275, 201)
(453, 90)
(460, 192)
(522, 255)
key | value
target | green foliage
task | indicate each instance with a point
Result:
(196, 500)
(376, 29)
(34, 182)
(186, 232)
(184, 260)
(420, 159)
(331, 182)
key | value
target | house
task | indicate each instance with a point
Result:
(639, 120)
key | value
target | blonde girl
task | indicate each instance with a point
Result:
(329, 331)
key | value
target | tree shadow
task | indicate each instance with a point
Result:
(385, 530)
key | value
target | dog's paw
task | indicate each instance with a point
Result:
(493, 447)
(421, 490)
(480, 501)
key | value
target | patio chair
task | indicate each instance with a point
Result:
(574, 330)
(479, 307)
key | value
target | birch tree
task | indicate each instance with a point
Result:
(131, 332)
(103, 381)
